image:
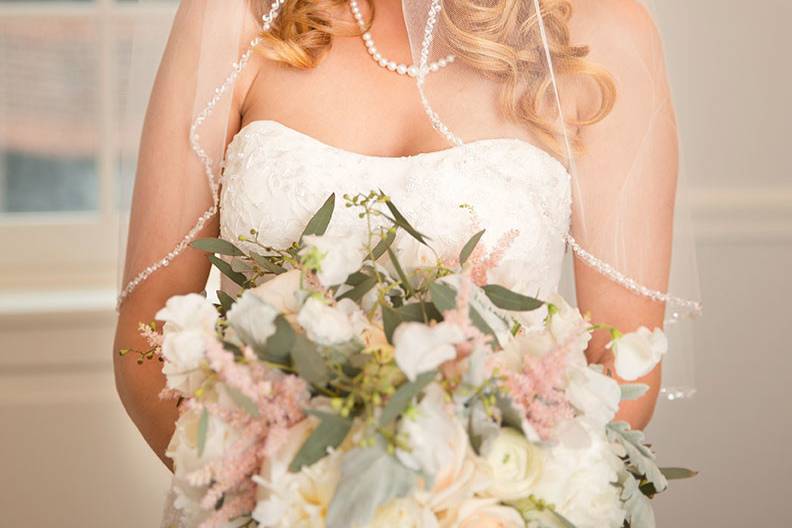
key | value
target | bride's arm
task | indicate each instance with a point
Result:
(626, 183)
(171, 192)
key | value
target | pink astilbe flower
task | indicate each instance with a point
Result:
(474, 338)
(152, 337)
(233, 507)
(482, 263)
(539, 390)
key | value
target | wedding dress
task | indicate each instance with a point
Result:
(275, 178)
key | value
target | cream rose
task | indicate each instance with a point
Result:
(403, 513)
(637, 353)
(482, 513)
(282, 291)
(516, 464)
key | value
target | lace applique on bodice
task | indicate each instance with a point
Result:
(275, 178)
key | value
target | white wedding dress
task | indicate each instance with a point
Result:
(275, 178)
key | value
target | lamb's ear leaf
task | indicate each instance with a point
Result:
(468, 248)
(403, 396)
(633, 391)
(226, 269)
(218, 246)
(331, 431)
(402, 222)
(506, 299)
(317, 225)
(370, 477)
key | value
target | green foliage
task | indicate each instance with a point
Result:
(308, 362)
(360, 289)
(639, 455)
(468, 248)
(203, 426)
(444, 298)
(633, 391)
(404, 396)
(226, 301)
(317, 225)
(383, 245)
(330, 433)
(403, 280)
(506, 299)
(218, 246)
(402, 222)
(267, 264)
(279, 345)
(248, 405)
(370, 477)
(226, 269)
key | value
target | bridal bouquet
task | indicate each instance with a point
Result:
(343, 388)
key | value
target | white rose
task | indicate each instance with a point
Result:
(516, 464)
(340, 256)
(421, 348)
(568, 326)
(331, 325)
(184, 353)
(483, 513)
(282, 291)
(637, 353)
(579, 482)
(252, 318)
(189, 312)
(296, 499)
(437, 441)
(403, 513)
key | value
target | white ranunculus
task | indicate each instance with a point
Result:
(188, 312)
(595, 395)
(403, 513)
(282, 292)
(421, 348)
(437, 441)
(637, 353)
(516, 464)
(568, 326)
(483, 513)
(579, 482)
(331, 325)
(340, 256)
(252, 318)
(287, 499)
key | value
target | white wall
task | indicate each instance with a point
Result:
(70, 457)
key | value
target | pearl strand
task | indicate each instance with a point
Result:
(397, 67)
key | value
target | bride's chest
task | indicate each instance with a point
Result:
(275, 178)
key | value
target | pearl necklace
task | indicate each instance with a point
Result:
(400, 68)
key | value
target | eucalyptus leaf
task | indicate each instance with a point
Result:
(468, 248)
(444, 298)
(370, 478)
(217, 245)
(676, 473)
(402, 222)
(226, 301)
(633, 391)
(225, 269)
(244, 402)
(421, 312)
(317, 225)
(405, 282)
(506, 299)
(308, 362)
(404, 396)
(390, 320)
(383, 245)
(357, 292)
(330, 432)
(203, 426)
(510, 415)
(266, 264)
(357, 277)
(278, 347)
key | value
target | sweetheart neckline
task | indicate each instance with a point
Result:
(434, 153)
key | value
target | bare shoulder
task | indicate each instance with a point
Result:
(625, 25)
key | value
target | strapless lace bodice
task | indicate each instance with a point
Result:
(275, 178)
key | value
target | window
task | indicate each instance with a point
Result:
(66, 145)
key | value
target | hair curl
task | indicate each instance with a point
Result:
(499, 38)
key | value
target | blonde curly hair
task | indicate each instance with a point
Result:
(499, 38)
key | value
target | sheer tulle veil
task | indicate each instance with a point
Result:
(583, 80)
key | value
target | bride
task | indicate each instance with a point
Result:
(547, 122)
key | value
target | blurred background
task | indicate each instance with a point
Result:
(68, 453)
